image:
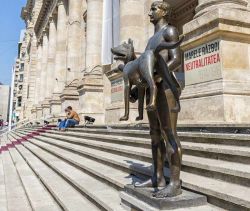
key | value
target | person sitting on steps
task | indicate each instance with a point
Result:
(71, 120)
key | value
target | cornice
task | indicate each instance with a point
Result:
(29, 13)
(44, 16)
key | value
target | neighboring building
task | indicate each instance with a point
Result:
(66, 60)
(4, 102)
(19, 80)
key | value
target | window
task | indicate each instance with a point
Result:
(19, 101)
(21, 78)
(22, 67)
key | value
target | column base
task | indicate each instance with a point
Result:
(70, 97)
(56, 105)
(33, 112)
(46, 108)
(91, 98)
(39, 112)
(217, 87)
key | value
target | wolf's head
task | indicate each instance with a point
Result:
(124, 52)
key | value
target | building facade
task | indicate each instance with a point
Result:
(4, 102)
(65, 58)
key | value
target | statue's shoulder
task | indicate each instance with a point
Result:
(171, 33)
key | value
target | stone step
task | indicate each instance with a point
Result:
(238, 154)
(216, 151)
(113, 176)
(230, 171)
(192, 136)
(209, 186)
(104, 195)
(203, 137)
(65, 195)
(15, 194)
(3, 197)
(39, 197)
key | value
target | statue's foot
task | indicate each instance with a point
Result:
(139, 118)
(151, 183)
(170, 191)
(151, 107)
(124, 118)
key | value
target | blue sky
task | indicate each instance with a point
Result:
(10, 27)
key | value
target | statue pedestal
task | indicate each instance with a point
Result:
(134, 199)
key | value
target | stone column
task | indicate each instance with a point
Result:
(61, 58)
(217, 73)
(51, 58)
(70, 95)
(94, 33)
(83, 45)
(44, 77)
(30, 105)
(74, 39)
(132, 22)
(91, 87)
(44, 66)
(38, 81)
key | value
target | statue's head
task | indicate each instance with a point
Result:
(124, 52)
(160, 10)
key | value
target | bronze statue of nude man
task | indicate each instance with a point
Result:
(163, 121)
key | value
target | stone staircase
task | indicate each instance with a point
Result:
(87, 168)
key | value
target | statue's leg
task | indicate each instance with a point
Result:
(146, 66)
(168, 121)
(141, 95)
(158, 153)
(170, 81)
(127, 88)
